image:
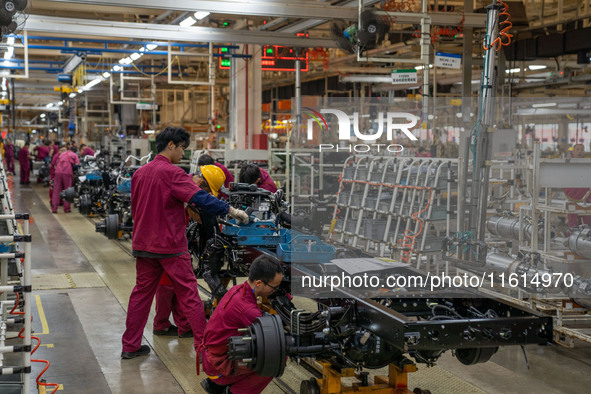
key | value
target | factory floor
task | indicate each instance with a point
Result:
(82, 282)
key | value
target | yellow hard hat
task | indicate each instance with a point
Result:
(214, 176)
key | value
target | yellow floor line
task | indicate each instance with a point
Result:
(49, 345)
(42, 318)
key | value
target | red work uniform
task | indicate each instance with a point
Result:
(52, 173)
(167, 303)
(42, 152)
(159, 191)
(229, 178)
(9, 157)
(63, 178)
(267, 182)
(23, 159)
(580, 195)
(87, 151)
(237, 309)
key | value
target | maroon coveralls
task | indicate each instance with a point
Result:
(237, 309)
(267, 182)
(63, 178)
(167, 303)
(9, 157)
(23, 159)
(159, 191)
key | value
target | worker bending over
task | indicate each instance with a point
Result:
(206, 160)
(159, 191)
(237, 309)
(254, 175)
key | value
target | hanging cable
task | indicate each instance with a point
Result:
(504, 38)
(20, 335)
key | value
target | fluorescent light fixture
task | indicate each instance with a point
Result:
(49, 105)
(151, 47)
(42, 116)
(72, 63)
(149, 131)
(117, 68)
(543, 105)
(10, 40)
(106, 74)
(125, 60)
(72, 95)
(534, 67)
(135, 56)
(512, 70)
(200, 15)
(188, 22)
(419, 67)
(92, 84)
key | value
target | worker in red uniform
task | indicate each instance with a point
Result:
(24, 159)
(9, 155)
(86, 150)
(53, 148)
(52, 166)
(253, 174)
(237, 309)
(206, 160)
(159, 191)
(42, 151)
(210, 179)
(63, 177)
(167, 303)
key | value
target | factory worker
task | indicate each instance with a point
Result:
(237, 309)
(159, 191)
(253, 175)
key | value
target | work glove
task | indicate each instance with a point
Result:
(239, 215)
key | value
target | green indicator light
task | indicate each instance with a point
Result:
(219, 127)
(225, 62)
(225, 24)
(269, 50)
(224, 50)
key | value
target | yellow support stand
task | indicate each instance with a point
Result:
(331, 382)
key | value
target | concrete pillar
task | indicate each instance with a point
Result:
(245, 97)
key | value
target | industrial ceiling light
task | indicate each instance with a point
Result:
(92, 84)
(151, 47)
(49, 105)
(134, 56)
(190, 21)
(200, 15)
(534, 67)
(72, 95)
(106, 74)
(117, 68)
(543, 105)
(512, 70)
(73, 63)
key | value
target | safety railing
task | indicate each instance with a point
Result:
(15, 292)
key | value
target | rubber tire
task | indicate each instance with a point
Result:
(309, 386)
(84, 205)
(112, 226)
(473, 356)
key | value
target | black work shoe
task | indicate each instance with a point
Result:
(213, 388)
(142, 351)
(170, 331)
(188, 334)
